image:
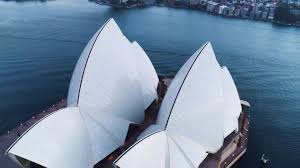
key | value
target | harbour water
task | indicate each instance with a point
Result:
(40, 43)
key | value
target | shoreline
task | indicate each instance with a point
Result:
(132, 6)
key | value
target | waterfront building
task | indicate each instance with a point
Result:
(231, 11)
(203, 2)
(180, 3)
(221, 9)
(170, 2)
(270, 5)
(244, 12)
(194, 2)
(148, 2)
(199, 121)
(295, 10)
(252, 11)
(212, 6)
(265, 14)
(271, 14)
(112, 85)
(119, 1)
(226, 11)
(287, 13)
(258, 14)
(237, 12)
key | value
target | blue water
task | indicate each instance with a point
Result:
(41, 42)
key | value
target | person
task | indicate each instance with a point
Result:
(18, 134)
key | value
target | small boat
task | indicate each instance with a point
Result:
(264, 160)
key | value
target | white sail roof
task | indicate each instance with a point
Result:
(190, 117)
(106, 74)
(170, 97)
(160, 151)
(156, 153)
(196, 104)
(69, 136)
(147, 74)
(173, 90)
(232, 108)
(112, 84)
(58, 140)
(109, 69)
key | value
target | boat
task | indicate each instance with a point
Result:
(120, 112)
(264, 160)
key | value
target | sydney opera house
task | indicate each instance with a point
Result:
(121, 114)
